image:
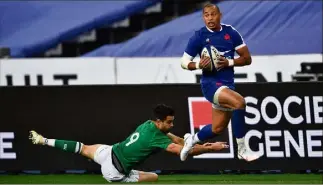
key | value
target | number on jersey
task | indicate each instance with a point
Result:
(133, 138)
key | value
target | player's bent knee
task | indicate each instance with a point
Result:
(154, 177)
(89, 150)
(148, 177)
(85, 151)
(151, 177)
(240, 103)
(218, 129)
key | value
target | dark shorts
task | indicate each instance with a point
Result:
(209, 90)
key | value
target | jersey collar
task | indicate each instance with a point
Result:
(212, 30)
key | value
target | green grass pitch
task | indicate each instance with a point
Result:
(169, 179)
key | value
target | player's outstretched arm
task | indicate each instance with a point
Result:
(175, 139)
(197, 149)
(208, 147)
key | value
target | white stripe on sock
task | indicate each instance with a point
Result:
(50, 142)
(196, 138)
(81, 147)
(77, 147)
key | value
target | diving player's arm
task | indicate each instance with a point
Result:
(208, 147)
(175, 139)
(197, 149)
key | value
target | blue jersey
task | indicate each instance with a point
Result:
(226, 41)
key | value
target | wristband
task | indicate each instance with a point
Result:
(197, 65)
(231, 62)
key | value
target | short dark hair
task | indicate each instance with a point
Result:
(207, 5)
(161, 111)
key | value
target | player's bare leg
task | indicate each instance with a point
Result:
(228, 98)
(220, 120)
(89, 150)
(231, 99)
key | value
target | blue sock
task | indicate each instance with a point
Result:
(238, 123)
(206, 133)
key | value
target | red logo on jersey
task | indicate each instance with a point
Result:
(227, 37)
(218, 83)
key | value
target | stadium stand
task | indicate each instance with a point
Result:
(73, 29)
(49, 23)
(292, 27)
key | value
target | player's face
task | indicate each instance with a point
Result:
(212, 17)
(167, 124)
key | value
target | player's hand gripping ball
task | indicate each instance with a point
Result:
(209, 58)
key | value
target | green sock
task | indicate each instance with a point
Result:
(68, 146)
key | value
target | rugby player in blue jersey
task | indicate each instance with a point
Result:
(218, 84)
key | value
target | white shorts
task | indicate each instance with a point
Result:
(103, 157)
(216, 104)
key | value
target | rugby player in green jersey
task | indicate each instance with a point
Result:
(119, 160)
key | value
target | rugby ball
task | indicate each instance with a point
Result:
(213, 53)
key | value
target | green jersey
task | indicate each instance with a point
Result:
(146, 140)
